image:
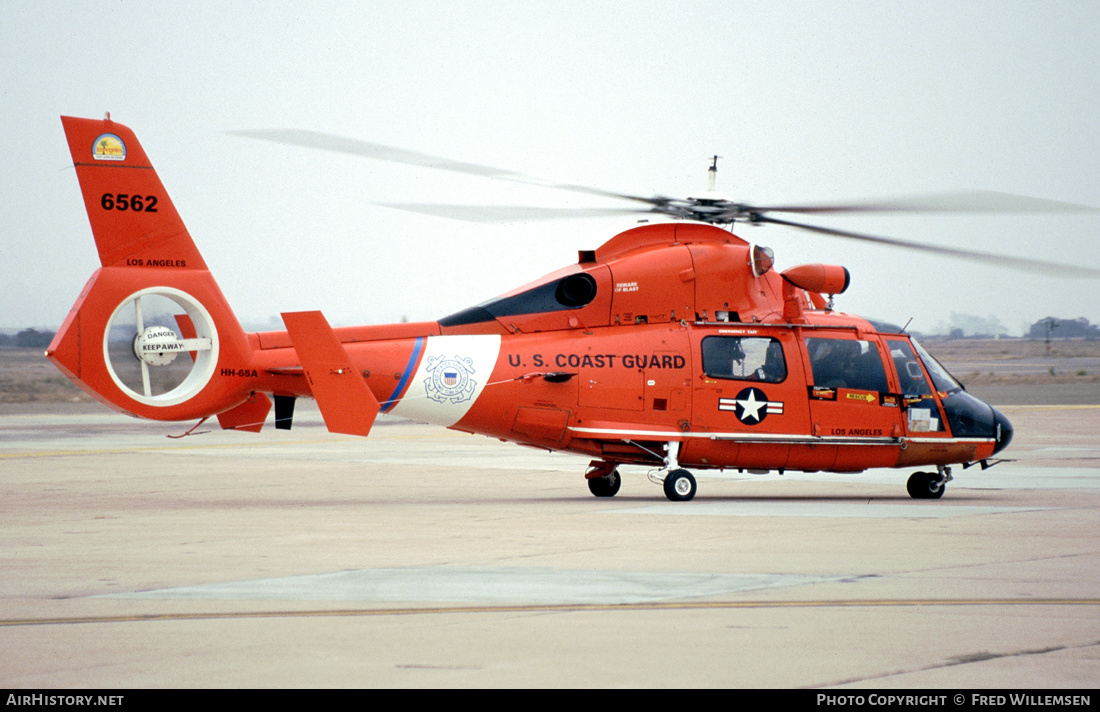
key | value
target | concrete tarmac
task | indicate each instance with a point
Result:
(421, 557)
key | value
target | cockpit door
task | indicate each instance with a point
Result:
(851, 401)
(923, 414)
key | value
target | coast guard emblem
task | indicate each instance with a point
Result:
(449, 379)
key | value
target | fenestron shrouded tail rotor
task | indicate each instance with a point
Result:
(160, 346)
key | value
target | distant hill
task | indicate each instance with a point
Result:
(26, 338)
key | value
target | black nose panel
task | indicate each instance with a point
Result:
(1003, 430)
(968, 416)
(972, 418)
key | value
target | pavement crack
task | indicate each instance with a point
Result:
(967, 659)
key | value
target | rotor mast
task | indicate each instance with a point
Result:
(712, 174)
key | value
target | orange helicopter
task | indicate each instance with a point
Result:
(673, 345)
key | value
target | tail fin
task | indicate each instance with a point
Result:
(122, 341)
(133, 220)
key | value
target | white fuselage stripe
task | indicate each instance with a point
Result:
(663, 435)
(452, 374)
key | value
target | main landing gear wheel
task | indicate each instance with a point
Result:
(925, 485)
(603, 479)
(679, 486)
(606, 486)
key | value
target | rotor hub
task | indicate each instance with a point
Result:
(157, 345)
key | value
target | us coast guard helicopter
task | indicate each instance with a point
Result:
(674, 345)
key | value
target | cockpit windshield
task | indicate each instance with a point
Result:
(943, 380)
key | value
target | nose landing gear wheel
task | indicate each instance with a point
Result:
(679, 486)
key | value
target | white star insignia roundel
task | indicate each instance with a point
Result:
(751, 406)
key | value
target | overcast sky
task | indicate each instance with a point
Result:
(805, 101)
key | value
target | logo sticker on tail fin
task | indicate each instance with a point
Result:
(109, 147)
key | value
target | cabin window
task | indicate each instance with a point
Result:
(846, 363)
(746, 358)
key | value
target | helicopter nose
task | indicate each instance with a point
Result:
(1002, 430)
(970, 417)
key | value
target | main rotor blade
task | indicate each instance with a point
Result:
(507, 213)
(380, 152)
(968, 201)
(1021, 263)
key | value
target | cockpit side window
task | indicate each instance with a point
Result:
(911, 378)
(748, 358)
(922, 412)
(846, 363)
(943, 380)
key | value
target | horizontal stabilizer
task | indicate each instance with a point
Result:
(346, 403)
